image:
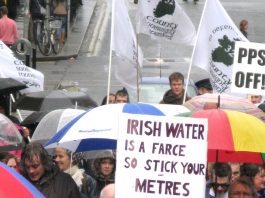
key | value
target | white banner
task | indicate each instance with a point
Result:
(161, 156)
(11, 67)
(214, 50)
(248, 68)
(165, 20)
(125, 46)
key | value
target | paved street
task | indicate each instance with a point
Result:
(91, 67)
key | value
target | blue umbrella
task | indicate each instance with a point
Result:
(97, 129)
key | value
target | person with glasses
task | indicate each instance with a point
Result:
(241, 187)
(219, 181)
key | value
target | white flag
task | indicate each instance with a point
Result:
(11, 67)
(214, 49)
(125, 46)
(165, 20)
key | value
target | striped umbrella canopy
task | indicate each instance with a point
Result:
(97, 129)
(233, 136)
(223, 101)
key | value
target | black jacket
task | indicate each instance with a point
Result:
(170, 98)
(57, 184)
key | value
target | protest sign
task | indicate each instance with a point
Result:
(161, 156)
(248, 69)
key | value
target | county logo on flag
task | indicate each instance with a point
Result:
(215, 46)
(11, 67)
(165, 20)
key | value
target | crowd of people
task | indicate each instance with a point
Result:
(230, 180)
(66, 174)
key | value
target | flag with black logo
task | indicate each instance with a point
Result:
(214, 49)
(165, 20)
(11, 67)
(125, 45)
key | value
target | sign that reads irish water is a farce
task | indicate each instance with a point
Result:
(161, 156)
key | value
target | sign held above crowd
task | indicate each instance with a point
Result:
(157, 156)
(248, 69)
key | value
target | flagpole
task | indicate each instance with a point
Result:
(111, 43)
(193, 51)
(137, 64)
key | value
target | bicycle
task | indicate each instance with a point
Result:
(48, 39)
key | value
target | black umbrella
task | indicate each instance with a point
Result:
(10, 85)
(55, 99)
(34, 118)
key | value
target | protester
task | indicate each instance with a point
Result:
(86, 184)
(241, 187)
(219, 182)
(122, 96)
(204, 86)
(176, 93)
(255, 99)
(112, 99)
(108, 191)
(256, 174)
(37, 166)
(235, 168)
(8, 28)
(243, 26)
(10, 160)
(104, 170)
(60, 13)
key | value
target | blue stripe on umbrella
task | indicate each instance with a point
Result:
(58, 136)
(141, 108)
(96, 144)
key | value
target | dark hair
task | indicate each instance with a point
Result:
(250, 170)
(35, 149)
(123, 92)
(4, 10)
(5, 157)
(176, 76)
(98, 161)
(244, 181)
(104, 101)
(221, 170)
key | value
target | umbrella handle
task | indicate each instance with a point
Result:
(18, 112)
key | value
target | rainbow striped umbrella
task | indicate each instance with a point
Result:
(224, 101)
(233, 136)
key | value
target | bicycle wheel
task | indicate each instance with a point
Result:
(44, 43)
(55, 40)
